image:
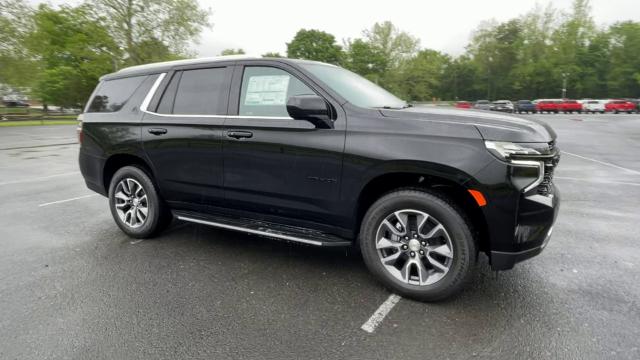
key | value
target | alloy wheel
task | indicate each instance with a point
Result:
(414, 247)
(131, 202)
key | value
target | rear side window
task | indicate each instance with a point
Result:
(112, 95)
(166, 103)
(200, 92)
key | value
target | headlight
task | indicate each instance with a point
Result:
(527, 172)
(504, 150)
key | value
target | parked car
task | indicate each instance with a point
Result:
(502, 105)
(593, 106)
(548, 105)
(618, 106)
(15, 103)
(525, 106)
(636, 102)
(463, 105)
(569, 106)
(308, 152)
(482, 105)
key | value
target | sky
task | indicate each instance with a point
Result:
(260, 26)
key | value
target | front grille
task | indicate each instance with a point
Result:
(545, 186)
(549, 165)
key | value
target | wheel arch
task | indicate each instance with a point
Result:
(450, 183)
(117, 161)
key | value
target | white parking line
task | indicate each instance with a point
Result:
(38, 178)
(66, 200)
(377, 317)
(603, 163)
(597, 181)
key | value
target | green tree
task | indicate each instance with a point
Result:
(232, 52)
(461, 80)
(365, 59)
(570, 46)
(133, 23)
(154, 50)
(394, 44)
(17, 67)
(624, 77)
(74, 48)
(314, 45)
(495, 48)
(272, 55)
(418, 78)
(532, 74)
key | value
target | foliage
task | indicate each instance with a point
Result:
(314, 45)
(395, 45)
(232, 52)
(74, 48)
(624, 75)
(16, 66)
(272, 55)
(134, 23)
(365, 59)
(60, 52)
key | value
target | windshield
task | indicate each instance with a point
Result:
(354, 88)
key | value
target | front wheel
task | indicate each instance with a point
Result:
(419, 244)
(135, 203)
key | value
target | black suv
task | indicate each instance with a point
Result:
(309, 152)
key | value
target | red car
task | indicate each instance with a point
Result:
(463, 105)
(550, 106)
(617, 106)
(569, 106)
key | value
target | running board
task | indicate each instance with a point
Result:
(264, 228)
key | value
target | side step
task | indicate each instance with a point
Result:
(264, 228)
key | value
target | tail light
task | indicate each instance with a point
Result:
(79, 129)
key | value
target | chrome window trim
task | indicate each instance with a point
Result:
(156, 85)
(151, 93)
(530, 163)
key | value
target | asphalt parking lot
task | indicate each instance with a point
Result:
(72, 285)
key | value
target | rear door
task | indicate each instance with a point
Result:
(182, 133)
(275, 165)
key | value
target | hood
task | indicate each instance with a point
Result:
(492, 126)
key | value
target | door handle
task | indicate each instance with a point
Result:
(157, 131)
(239, 134)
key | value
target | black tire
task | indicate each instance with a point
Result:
(158, 214)
(449, 215)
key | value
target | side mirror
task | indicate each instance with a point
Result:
(311, 108)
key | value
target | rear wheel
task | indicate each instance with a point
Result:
(418, 244)
(135, 203)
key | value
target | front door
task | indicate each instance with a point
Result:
(275, 165)
(182, 134)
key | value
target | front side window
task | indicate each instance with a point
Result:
(265, 91)
(199, 92)
(112, 95)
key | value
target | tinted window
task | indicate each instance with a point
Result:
(166, 103)
(265, 91)
(201, 92)
(112, 95)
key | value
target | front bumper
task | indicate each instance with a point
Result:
(519, 213)
(534, 226)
